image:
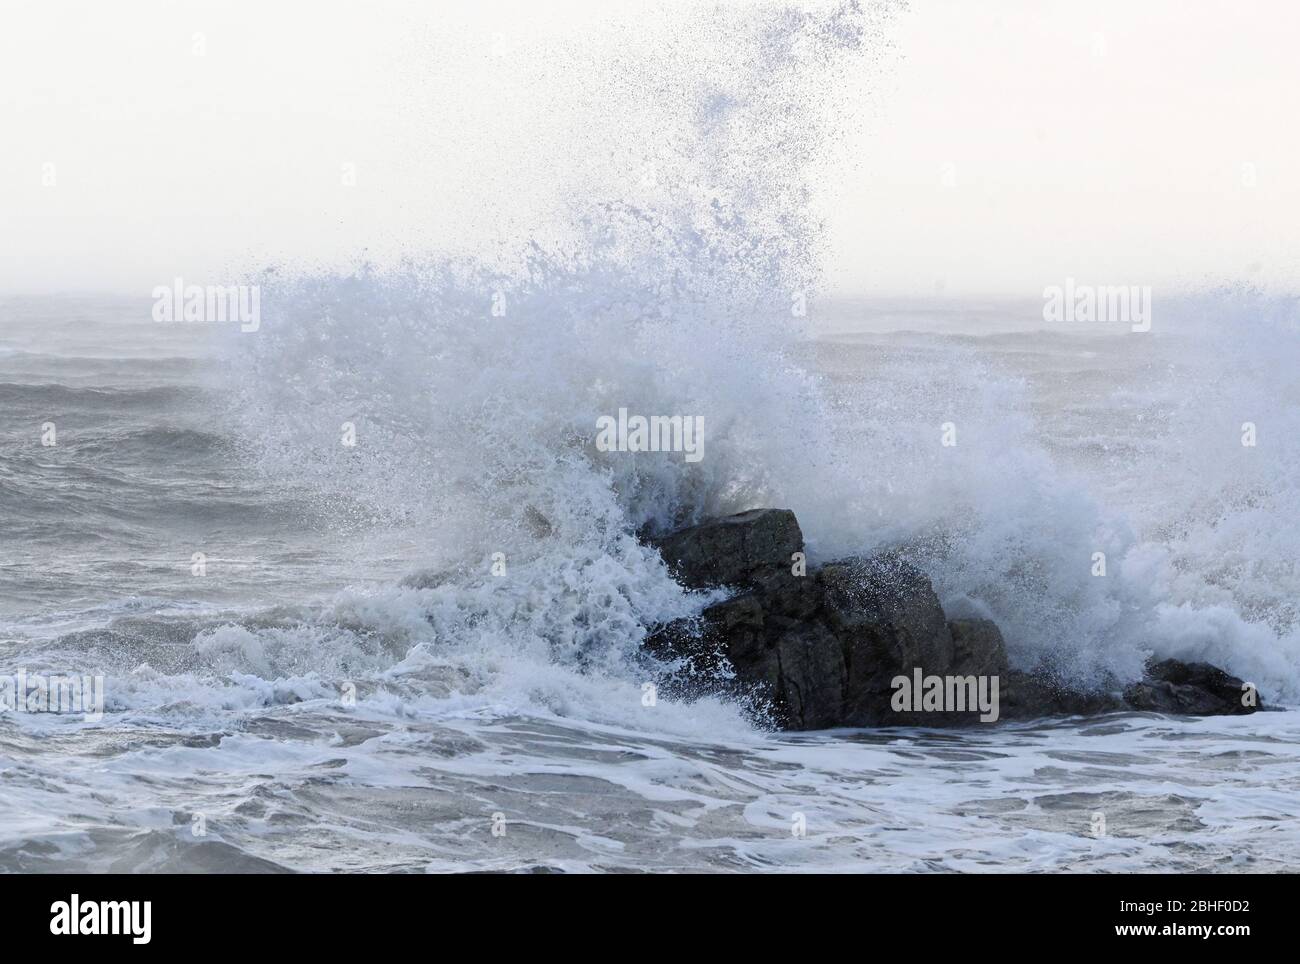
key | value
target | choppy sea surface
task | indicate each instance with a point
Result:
(339, 682)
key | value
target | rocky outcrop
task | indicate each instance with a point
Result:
(1032, 696)
(826, 647)
(738, 550)
(864, 641)
(978, 647)
(1198, 689)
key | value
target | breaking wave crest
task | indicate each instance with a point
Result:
(473, 386)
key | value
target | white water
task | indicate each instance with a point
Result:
(664, 293)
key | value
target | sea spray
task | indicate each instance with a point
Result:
(471, 388)
(471, 392)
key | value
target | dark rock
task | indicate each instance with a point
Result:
(1198, 689)
(833, 647)
(740, 550)
(978, 648)
(1030, 696)
(826, 648)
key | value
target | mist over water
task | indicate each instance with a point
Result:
(673, 284)
(1074, 442)
(475, 386)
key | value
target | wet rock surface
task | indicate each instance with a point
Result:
(740, 550)
(1198, 689)
(865, 642)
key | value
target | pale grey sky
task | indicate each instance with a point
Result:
(1006, 145)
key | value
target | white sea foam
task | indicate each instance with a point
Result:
(521, 691)
(474, 385)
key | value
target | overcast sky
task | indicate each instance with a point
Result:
(1005, 146)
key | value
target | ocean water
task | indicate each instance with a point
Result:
(422, 651)
(227, 745)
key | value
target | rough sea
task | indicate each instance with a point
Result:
(516, 703)
(363, 594)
